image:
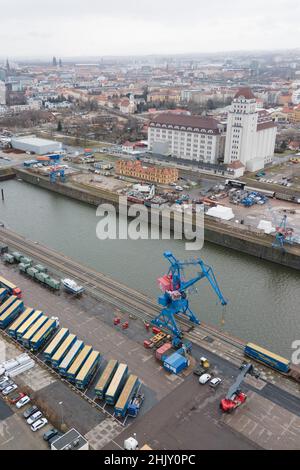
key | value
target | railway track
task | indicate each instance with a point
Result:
(102, 287)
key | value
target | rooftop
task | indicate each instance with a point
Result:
(71, 440)
(245, 92)
(198, 122)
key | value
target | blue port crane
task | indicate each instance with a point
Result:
(54, 173)
(284, 235)
(174, 299)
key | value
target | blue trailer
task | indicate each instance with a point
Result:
(21, 330)
(33, 330)
(78, 363)
(126, 395)
(43, 334)
(8, 303)
(55, 343)
(87, 370)
(12, 329)
(11, 313)
(116, 385)
(106, 377)
(267, 357)
(62, 350)
(175, 363)
(70, 357)
(3, 294)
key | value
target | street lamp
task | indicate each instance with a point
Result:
(62, 412)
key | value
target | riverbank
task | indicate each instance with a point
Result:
(237, 238)
(7, 174)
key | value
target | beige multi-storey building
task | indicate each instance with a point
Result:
(153, 174)
(189, 137)
(251, 133)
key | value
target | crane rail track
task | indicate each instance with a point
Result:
(103, 287)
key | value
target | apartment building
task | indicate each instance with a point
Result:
(153, 174)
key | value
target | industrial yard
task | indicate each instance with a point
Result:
(91, 318)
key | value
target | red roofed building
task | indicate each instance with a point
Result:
(251, 133)
(154, 174)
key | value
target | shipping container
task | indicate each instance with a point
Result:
(267, 357)
(55, 343)
(161, 352)
(12, 329)
(78, 363)
(8, 303)
(11, 313)
(12, 289)
(175, 363)
(105, 378)
(63, 350)
(28, 323)
(116, 384)
(127, 393)
(25, 340)
(87, 370)
(70, 357)
(3, 294)
(44, 334)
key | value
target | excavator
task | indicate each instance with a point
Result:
(235, 397)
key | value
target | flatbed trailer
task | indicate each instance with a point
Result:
(70, 357)
(12, 288)
(126, 395)
(106, 377)
(12, 329)
(33, 330)
(27, 324)
(116, 385)
(44, 334)
(78, 363)
(87, 370)
(8, 303)
(11, 313)
(55, 343)
(62, 350)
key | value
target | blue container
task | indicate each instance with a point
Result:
(267, 357)
(175, 363)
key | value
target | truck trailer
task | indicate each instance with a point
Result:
(3, 294)
(55, 343)
(127, 393)
(87, 370)
(116, 385)
(11, 313)
(21, 330)
(106, 377)
(70, 357)
(44, 333)
(26, 338)
(78, 363)
(62, 350)
(12, 329)
(8, 303)
(12, 289)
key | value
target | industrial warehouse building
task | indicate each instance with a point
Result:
(31, 143)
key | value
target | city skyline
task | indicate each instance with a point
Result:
(70, 29)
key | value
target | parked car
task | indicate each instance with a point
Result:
(49, 434)
(34, 417)
(5, 384)
(15, 397)
(9, 389)
(204, 379)
(214, 383)
(24, 400)
(199, 370)
(3, 379)
(40, 423)
(32, 409)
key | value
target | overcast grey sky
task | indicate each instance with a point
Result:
(123, 27)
